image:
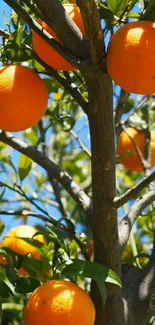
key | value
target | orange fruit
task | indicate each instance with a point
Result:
(59, 302)
(46, 52)
(127, 151)
(20, 246)
(130, 57)
(23, 98)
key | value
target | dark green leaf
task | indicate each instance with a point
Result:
(91, 270)
(129, 105)
(101, 285)
(58, 236)
(106, 13)
(5, 291)
(25, 285)
(149, 13)
(51, 85)
(2, 193)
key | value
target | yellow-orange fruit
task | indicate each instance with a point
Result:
(20, 246)
(46, 52)
(127, 150)
(23, 98)
(130, 57)
(59, 302)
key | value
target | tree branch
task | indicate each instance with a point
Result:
(91, 19)
(4, 33)
(83, 65)
(130, 194)
(64, 27)
(119, 109)
(51, 168)
(134, 212)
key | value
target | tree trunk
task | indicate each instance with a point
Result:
(104, 220)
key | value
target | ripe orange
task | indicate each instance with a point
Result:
(46, 52)
(130, 57)
(126, 148)
(59, 302)
(23, 98)
(20, 246)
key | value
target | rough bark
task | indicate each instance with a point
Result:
(64, 27)
(104, 221)
(138, 293)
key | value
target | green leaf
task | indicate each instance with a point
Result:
(106, 13)
(13, 50)
(25, 285)
(129, 105)
(5, 291)
(149, 13)
(2, 193)
(24, 166)
(2, 274)
(2, 226)
(101, 285)
(117, 6)
(32, 265)
(51, 85)
(31, 136)
(91, 270)
(58, 236)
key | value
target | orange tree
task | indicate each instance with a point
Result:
(93, 204)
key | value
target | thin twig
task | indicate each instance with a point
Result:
(19, 190)
(82, 145)
(143, 101)
(130, 194)
(14, 200)
(27, 213)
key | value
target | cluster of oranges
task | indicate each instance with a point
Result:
(58, 300)
(23, 94)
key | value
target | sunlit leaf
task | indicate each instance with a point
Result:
(24, 166)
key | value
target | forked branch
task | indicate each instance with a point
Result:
(51, 168)
(134, 212)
